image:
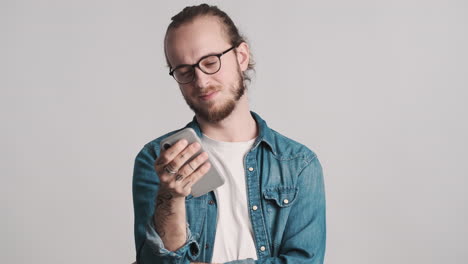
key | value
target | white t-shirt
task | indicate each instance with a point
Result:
(234, 236)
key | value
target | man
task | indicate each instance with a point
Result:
(271, 208)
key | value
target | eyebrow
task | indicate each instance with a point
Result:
(201, 58)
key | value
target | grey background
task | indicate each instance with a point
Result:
(377, 88)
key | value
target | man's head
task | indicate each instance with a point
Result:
(218, 81)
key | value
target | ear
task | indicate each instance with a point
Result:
(243, 56)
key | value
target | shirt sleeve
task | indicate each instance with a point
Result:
(148, 244)
(153, 250)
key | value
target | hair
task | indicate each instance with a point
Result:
(190, 13)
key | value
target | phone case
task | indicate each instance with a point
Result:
(212, 179)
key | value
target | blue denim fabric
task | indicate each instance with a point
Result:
(286, 202)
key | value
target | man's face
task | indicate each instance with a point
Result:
(211, 97)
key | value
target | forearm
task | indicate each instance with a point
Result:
(150, 208)
(170, 220)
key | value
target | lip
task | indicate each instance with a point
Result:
(208, 96)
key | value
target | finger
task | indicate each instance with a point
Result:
(191, 166)
(170, 169)
(179, 177)
(190, 180)
(168, 155)
(183, 156)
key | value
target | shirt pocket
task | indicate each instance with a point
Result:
(278, 202)
(281, 196)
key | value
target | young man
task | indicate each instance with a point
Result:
(271, 208)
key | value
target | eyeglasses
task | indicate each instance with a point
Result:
(209, 64)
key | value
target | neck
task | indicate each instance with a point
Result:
(238, 126)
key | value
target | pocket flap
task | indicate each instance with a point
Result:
(283, 196)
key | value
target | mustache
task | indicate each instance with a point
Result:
(208, 89)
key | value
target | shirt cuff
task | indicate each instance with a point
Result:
(154, 241)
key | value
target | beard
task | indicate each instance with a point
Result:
(214, 114)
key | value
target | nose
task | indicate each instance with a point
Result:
(201, 79)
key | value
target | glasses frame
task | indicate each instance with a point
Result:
(171, 71)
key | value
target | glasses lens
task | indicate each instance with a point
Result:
(210, 64)
(184, 74)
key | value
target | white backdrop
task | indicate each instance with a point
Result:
(378, 89)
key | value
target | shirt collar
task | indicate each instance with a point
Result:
(265, 133)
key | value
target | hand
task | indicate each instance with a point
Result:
(177, 179)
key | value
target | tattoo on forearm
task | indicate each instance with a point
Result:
(163, 211)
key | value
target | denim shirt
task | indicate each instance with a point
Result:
(286, 203)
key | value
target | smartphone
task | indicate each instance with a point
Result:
(212, 179)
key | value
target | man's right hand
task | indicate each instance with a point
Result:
(176, 181)
(175, 177)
